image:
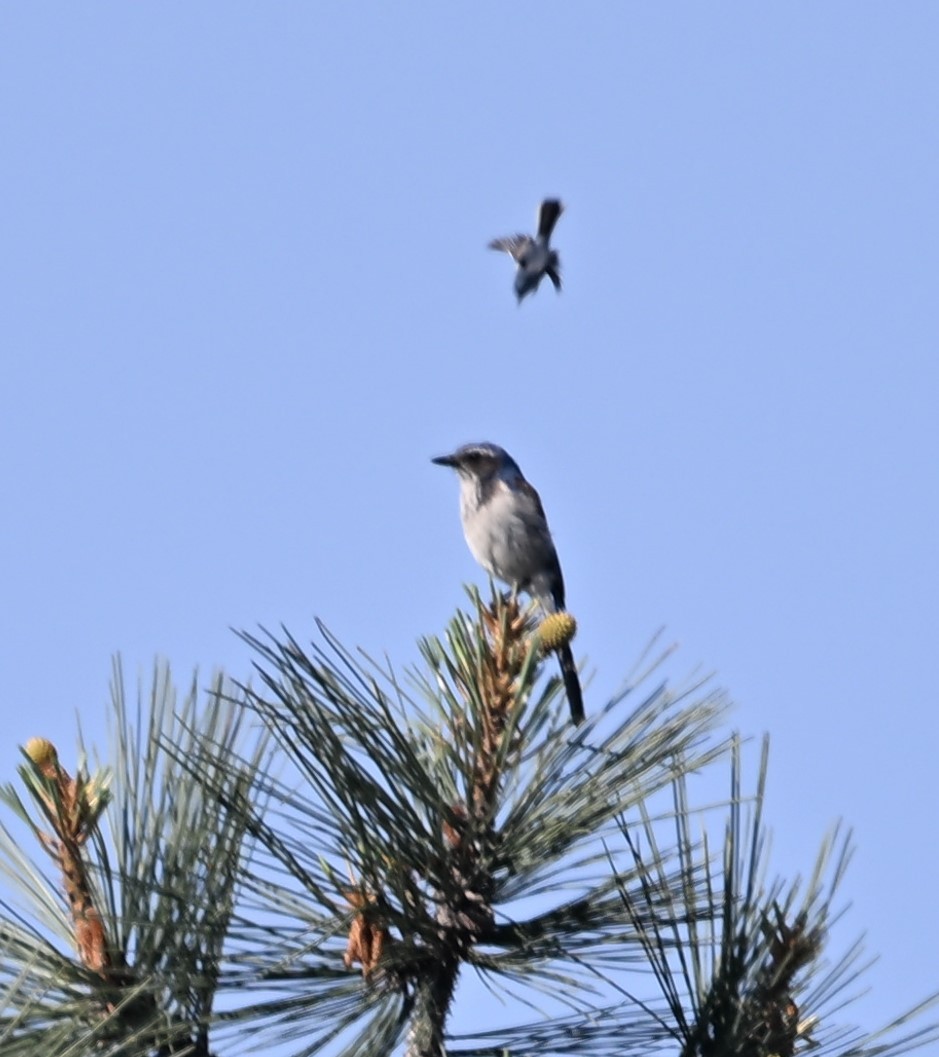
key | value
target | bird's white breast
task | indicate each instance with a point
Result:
(506, 535)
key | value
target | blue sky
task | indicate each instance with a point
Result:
(246, 297)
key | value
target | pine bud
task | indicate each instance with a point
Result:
(557, 630)
(41, 751)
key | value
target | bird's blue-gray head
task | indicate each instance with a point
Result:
(480, 462)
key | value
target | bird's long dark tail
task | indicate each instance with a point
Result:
(548, 215)
(571, 684)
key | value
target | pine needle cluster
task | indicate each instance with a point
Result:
(333, 861)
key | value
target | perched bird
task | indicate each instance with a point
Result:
(507, 532)
(534, 255)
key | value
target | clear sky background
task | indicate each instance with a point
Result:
(246, 297)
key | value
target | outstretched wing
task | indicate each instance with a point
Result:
(515, 245)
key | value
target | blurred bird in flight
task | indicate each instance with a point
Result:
(532, 253)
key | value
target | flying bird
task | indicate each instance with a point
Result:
(533, 253)
(507, 533)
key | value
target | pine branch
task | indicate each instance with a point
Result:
(752, 983)
(149, 870)
(413, 832)
(328, 896)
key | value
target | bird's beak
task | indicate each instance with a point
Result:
(445, 460)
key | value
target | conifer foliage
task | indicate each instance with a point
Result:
(335, 861)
